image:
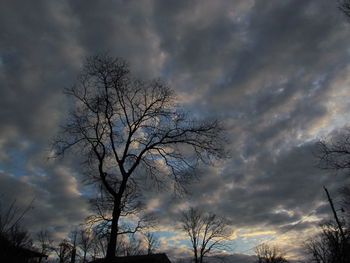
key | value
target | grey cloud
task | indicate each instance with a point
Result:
(121, 28)
(51, 208)
(267, 69)
(275, 192)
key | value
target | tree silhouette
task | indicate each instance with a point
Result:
(44, 241)
(269, 254)
(152, 242)
(63, 251)
(334, 154)
(207, 232)
(329, 246)
(130, 131)
(11, 229)
(85, 242)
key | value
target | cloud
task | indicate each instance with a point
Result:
(276, 73)
(54, 198)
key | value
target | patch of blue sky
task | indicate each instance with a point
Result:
(165, 72)
(89, 190)
(164, 234)
(170, 238)
(7, 57)
(245, 244)
(16, 166)
(16, 160)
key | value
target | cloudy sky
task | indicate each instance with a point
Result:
(276, 72)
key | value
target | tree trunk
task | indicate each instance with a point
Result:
(195, 255)
(112, 244)
(84, 257)
(74, 251)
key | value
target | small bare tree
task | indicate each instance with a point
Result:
(73, 239)
(130, 246)
(152, 242)
(129, 131)
(207, 232)
(44, 242)
(63, 251)
(269, 254)
(85, 243)
(99, 244)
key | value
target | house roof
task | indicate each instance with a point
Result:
(31, 253)
(153, 258)
(7, 248)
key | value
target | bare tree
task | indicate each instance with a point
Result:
(130, 130)
(73, 239)
(99, 244)
(152, 242)
(85, 242)
(207, 232)
(130, 246)
(11, 228)
(44, 241)
(334, 154)
(317, 249)
(329, 246)
(269, 254)
(63, 251)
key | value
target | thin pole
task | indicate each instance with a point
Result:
(335, 213)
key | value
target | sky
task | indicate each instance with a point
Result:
(275, 72)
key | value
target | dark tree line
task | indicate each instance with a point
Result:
(83, 244)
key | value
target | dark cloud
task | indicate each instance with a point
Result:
(275, 72)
